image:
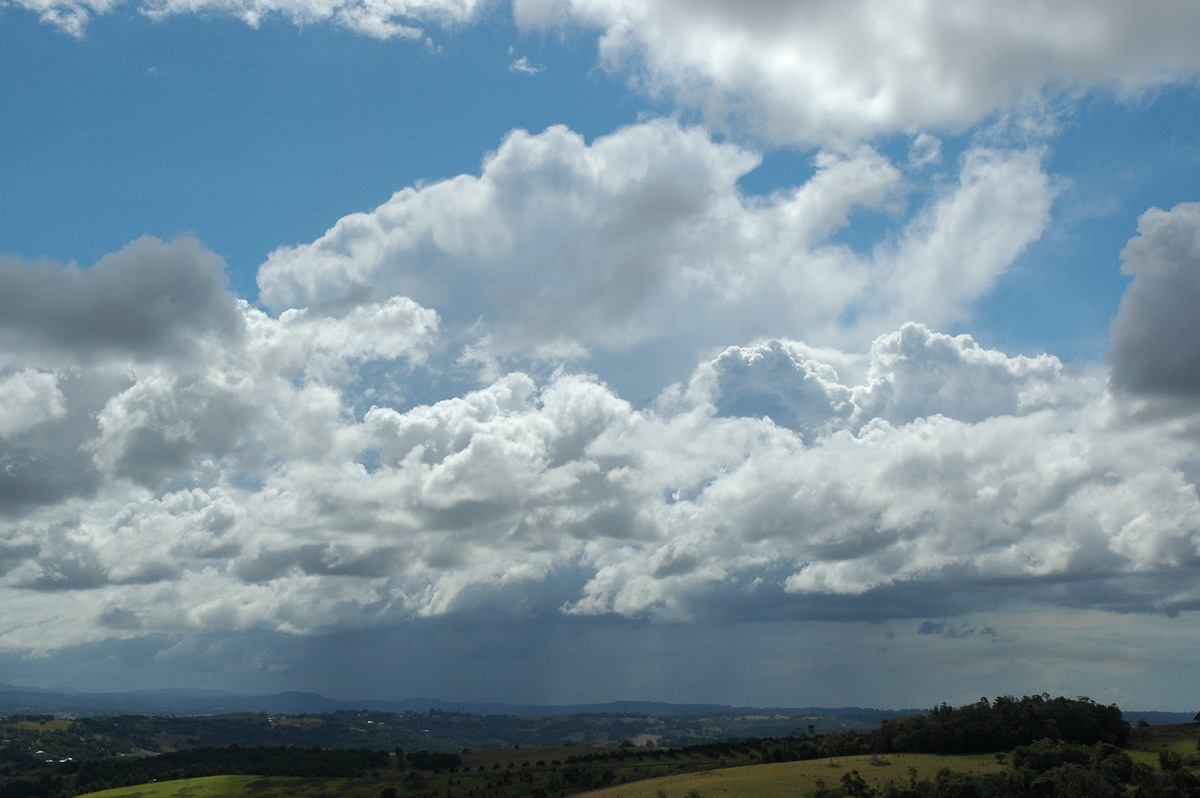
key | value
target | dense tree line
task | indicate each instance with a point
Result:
(436, 760)
(41, 787)
(1004, 724)
(233, 760)
(982, 727)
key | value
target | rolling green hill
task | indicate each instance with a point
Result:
(1034, 746)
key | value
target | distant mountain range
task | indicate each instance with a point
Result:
(186, 701)
(15, 700)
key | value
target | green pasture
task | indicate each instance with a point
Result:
(1178, 737)
(779, 780)
(248, 787)
(789, 779)
(38, 725)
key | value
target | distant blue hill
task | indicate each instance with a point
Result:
(1159, 718)
(185, 701)
(16, 700)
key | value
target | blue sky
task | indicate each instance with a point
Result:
(553, 350)
(279, 119)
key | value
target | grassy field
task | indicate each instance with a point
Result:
(1178, 737)
(39, 725)
(783, 780)
(789, 779)
(527, 768)
(249, 787)
(208, 787)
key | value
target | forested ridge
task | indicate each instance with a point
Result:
(1003, 724)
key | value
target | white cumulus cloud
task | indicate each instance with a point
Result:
(380, 20)
(561, 248)
(826, 72)
(28, 397)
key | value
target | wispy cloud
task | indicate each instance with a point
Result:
(523, 67)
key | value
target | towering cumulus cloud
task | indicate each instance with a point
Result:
(564, 247)
(1156, 337)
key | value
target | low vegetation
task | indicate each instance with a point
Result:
(92, 737)
(1031, 747)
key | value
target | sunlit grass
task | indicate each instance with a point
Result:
(790, 779)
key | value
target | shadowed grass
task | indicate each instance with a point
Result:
(249, 786)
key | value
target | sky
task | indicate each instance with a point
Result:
(764, 353)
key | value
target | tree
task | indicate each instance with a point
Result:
(855, 785)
